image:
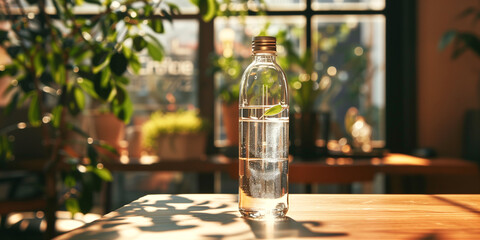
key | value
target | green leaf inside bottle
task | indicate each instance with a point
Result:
(274, 110)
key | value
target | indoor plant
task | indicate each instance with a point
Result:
(61, 60)
(175, 135)
(463, 41)
(337, 65)
(228, 69)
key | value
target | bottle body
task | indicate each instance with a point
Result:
(263, 148)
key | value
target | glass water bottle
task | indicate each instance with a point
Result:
(263, 127)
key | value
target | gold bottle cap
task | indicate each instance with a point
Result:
(264, 44)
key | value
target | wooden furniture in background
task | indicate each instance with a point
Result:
(322, 170)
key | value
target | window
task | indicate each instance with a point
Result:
(348, 43)
(350, 55)
(171, 84)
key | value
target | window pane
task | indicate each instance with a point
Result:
(350, 55)
(233, 37)
(348, 4)
(171, 84)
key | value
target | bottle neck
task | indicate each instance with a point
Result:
(264, 57)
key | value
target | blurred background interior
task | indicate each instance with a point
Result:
(367, 78)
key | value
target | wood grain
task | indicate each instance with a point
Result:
(215, 216)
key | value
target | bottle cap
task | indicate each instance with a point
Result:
(264, 44)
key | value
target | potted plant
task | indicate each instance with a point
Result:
(175, 135)
(58, 61)
(304, 91)
(228, 70)
(462, 41)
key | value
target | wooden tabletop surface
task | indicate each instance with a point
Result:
(311, 216)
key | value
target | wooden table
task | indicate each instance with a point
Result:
(215, 216)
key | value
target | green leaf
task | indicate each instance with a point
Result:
(122, 105)
(118, 63)
(155, 51)
(167, 15)
(148, 11)
(80, 56)
(10, 70)
(60, 74)
(102, 84)
(72, 205)
(57, 115)
(122, 80)
(174, 10)
(139, 43)
(34, 114)
(72, 104)
(105, 77)
(87, 86)
(121, 95)
(100, 61)
(208, 8)
(6, 153)
(273, 110)
(39, 64)
(127, 51)
(156, 25)
(135, 64)
(446, 39)
(104, 174)
(79, 98)
(112, 95)
(96, 2)
(69, 181)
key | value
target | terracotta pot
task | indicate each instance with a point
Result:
(135, 141)
(230, 122)
(109, 129)
(181, 146)
(133, 135)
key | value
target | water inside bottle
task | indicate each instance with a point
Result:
(263, 187)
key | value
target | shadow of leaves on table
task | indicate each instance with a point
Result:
(287, 228)
(458, 204)
(277, 229)
(158, 217)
